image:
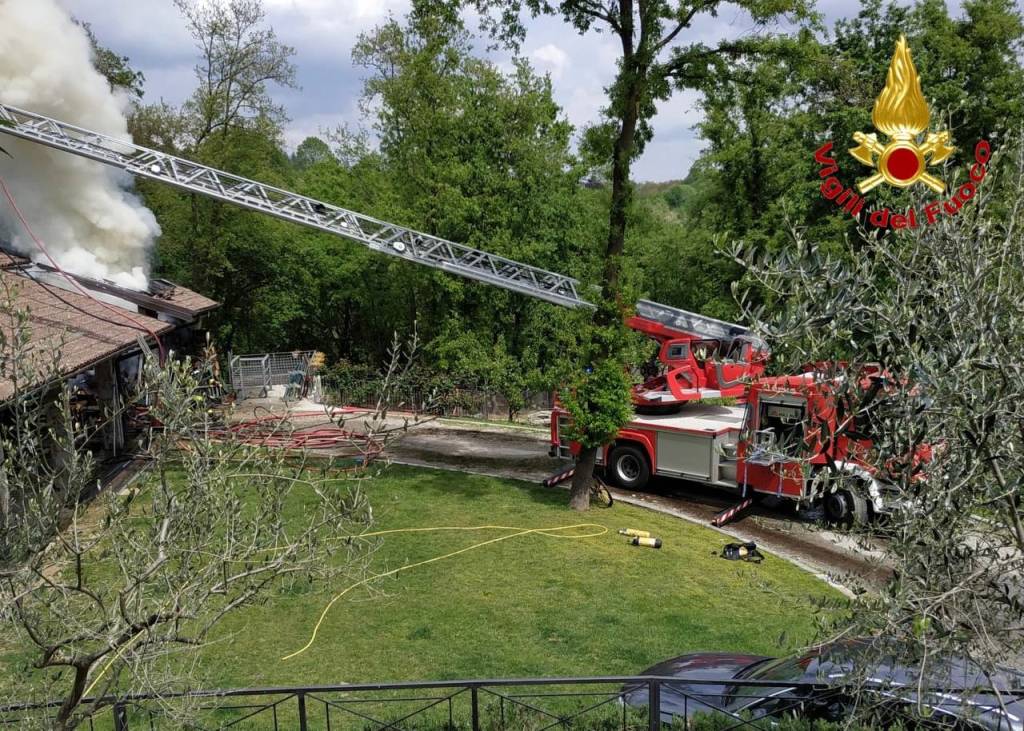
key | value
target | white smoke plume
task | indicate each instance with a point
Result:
(82, 210)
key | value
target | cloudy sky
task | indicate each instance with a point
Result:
(153, 35)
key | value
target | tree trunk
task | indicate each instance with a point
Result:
(579, 494)
(622, 193)
(63, 720)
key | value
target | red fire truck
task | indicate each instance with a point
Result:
(780, 439)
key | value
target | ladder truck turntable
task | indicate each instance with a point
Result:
(761, 444)
(702, 357)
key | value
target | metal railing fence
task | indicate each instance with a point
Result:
(627, 703)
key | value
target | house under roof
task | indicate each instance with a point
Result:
(70, 332)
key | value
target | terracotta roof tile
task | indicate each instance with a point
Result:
(189, 300)
(8, 260)
(68, 331)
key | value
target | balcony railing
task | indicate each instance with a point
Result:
(628, 703)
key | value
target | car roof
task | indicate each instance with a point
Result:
(879, 662)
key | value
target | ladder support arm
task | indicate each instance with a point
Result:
(380, 236)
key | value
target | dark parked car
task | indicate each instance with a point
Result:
(740, 686)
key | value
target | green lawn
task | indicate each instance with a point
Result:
(531, 605)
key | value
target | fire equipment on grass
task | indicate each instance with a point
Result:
(742, 552)
(642, 541)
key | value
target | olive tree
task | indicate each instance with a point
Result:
(110, 590)
(929, 323)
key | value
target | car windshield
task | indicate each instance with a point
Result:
(783, 669)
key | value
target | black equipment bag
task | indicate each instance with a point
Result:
(742, 552)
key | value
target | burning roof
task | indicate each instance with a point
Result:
(69, 331)
(161, 298)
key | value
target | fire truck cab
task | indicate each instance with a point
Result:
(774, 441)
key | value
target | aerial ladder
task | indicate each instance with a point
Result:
(666, 324)
(380, 236)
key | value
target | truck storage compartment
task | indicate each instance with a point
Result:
(727, 458)
(685, 454)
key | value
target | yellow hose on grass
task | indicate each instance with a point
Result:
(555, 532)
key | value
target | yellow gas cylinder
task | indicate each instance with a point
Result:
(649, 542)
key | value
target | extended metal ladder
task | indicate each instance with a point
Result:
(380, 236)
(690, 322)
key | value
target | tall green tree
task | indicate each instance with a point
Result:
(658, 53)
(311, 151)
(476, 155)
(116, 68)
(240, 56)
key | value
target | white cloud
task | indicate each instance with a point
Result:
(552, 59)
(359, 11)
(323, 32)
(172, 84)
(681, 111)
(668, 157)
(129, 26)
(582, 104)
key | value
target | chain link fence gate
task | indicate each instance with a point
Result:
(253, 376)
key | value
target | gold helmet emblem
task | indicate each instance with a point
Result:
(901, 113)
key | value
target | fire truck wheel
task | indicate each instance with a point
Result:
(846, 507)
(628, 467)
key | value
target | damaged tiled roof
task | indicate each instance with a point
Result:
(186, 299)
(68, 331)
(9, 259)
(162, 297)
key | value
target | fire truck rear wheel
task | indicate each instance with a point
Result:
(628, 467)
(846, 507)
